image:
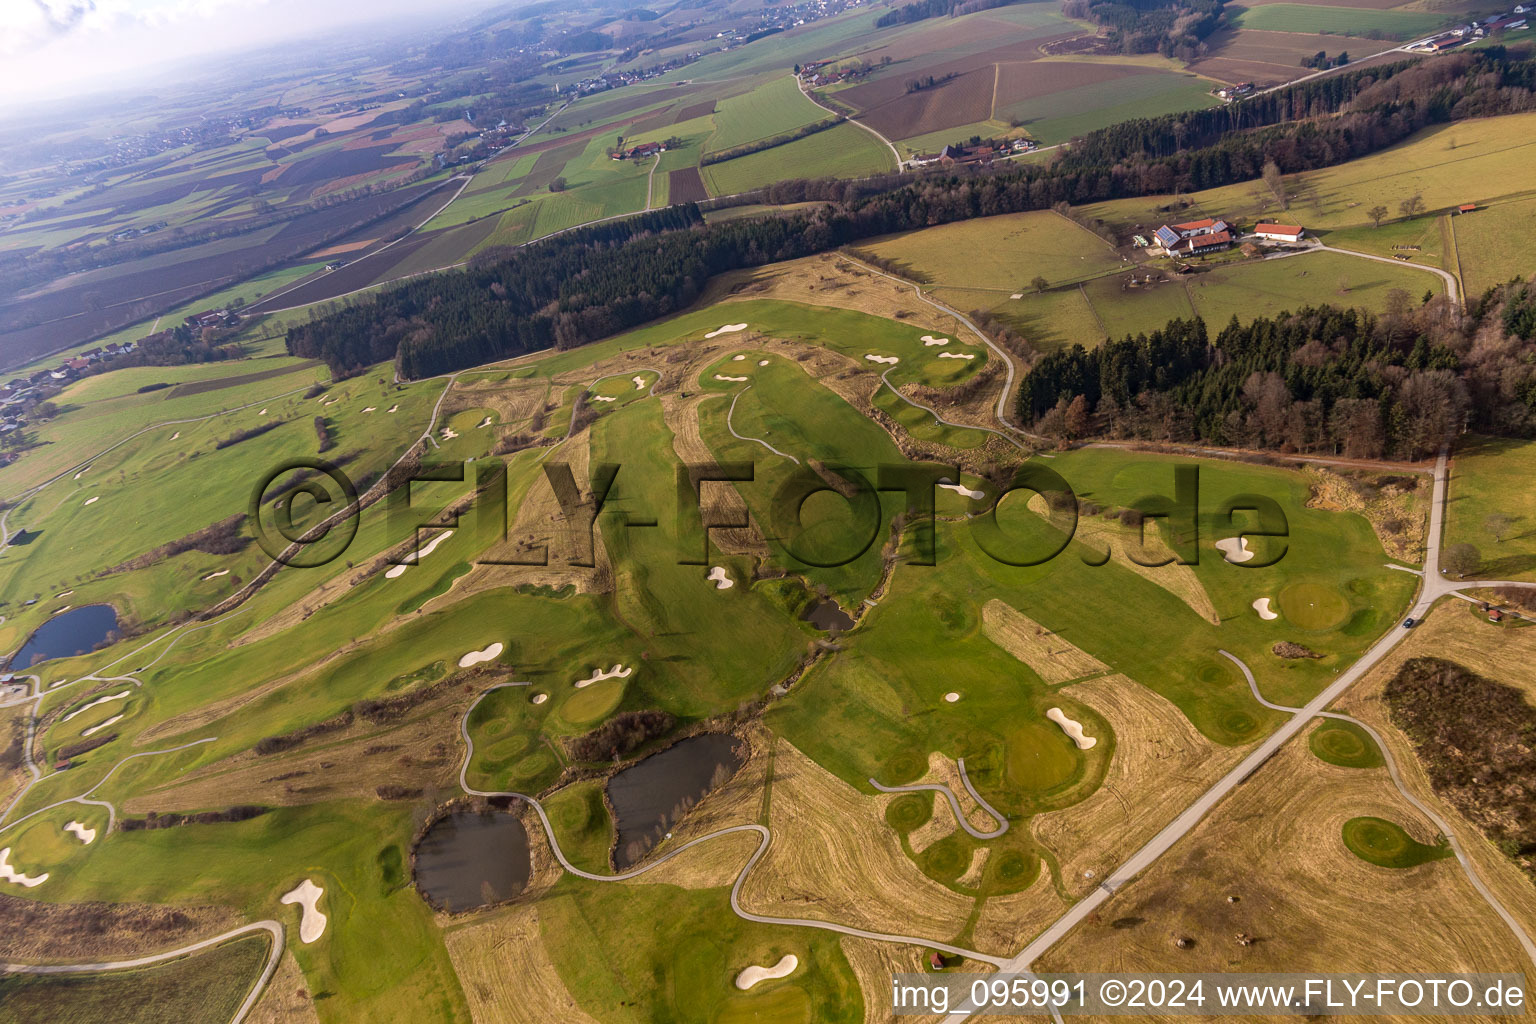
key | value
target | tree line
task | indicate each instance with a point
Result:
(1321, 380)
(593, 282)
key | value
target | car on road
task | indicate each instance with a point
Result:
(1408, 623)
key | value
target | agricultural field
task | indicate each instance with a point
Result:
(845, 151)
(1496, 519)
(1269, 57)
(1401, 25)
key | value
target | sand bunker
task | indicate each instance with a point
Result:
(449, 433)
(738, 357)
(754, 974)
(87, 836)
(882, 359)
(1071, 728)
(721, 377)
(605, 398)
(1234, 548)
(929, 339)
(216, 575)
(369, 408)
(311, 921)
(483, 423)
(539, 698)
(96, 703)
(1016, 295)
(392, 408)
(598, 675)
(762, 362)
(962, 490)
(101, 725)
(485, 654)
(416, 556)
(957, 355)
(951, 697)
(1262, 607)
(720, 578)
(81, 473)
(175, 435)
(639, 383)
(262, 413)
(92, 501)
(10, 874)
(727, 329)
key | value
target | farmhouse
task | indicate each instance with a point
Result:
(1237, 91)
(1279, 232)
(1211, 241)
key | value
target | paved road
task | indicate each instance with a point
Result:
(1433, 588)
(764, 838)
(888, 143)
(272, 928)
(954, 804)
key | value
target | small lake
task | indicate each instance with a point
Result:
(77, 631)
(828, 615)
(468, 859)
(652, 796)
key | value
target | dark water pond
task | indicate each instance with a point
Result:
(828, 615)
(650, 797)
(77, 631)
(468, 859)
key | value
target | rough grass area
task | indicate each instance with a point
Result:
(1338, 20)
(846, 151)
(1473, 736)
(1490, 508)
(205, 988)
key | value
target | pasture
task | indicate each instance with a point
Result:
(1489, 509)
(846, 151)
(1341, 21)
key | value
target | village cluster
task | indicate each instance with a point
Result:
(1514, 21)
(1202, 237)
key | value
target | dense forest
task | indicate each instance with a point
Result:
(1337, 381)
(1174, 28)
(593, 282)
(922, 10)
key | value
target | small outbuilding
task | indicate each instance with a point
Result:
(1466, 207)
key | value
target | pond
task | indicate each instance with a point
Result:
(77, 631)
(652, 796)
(828, 615)
(471, 859)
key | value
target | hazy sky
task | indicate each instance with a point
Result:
(55, 47)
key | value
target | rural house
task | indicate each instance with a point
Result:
(1279, 232)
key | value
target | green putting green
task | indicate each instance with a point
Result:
(1386, 845)
(1313, 606)
(1345, 744)
(593, 702)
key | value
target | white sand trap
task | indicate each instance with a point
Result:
(727, 329)
(929, 339)
(720, 578)
(957, 355)
(393, 408)
(311, 921)
(1262, 607)
(216, 575)
(96, 703)
(539, 698)
(262, 413)
(81, 473)
(722, 377)
(1071, 728)
(87, 836)
(1016, 295)
(175, 435)
(762, 362)
(10, 874)
(101, 725)
(370, 408)
(413, 557)
(962, 490)
(738, 358)
(483, 423)
(63, 608)
(65, 593)
(92, 501)
(449, 433)
(1234, 548)
(951, 697)
(639, 382)
(605, 398)
(882, 359)
(486, 654)
(754, 974)
(598, 675)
